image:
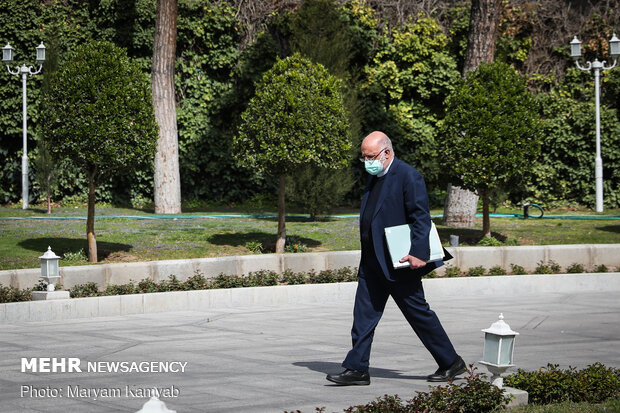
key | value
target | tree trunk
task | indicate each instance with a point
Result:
(90, 220)
(460, 207)
(281, 241)
(483, 24)
(49, 202)
(486, 221)
(167, 177)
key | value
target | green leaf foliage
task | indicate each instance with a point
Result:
(98, 112)
(593, 384)
(565, 171)
(397, 68)
(208, 38)
(492, 129)
(340, 37)
(317, 190)
(475, 395)
(404, 91)
(296, 118)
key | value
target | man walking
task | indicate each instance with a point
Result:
(395, 195)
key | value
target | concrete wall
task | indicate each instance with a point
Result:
(528, 257)
(588, 255)
(204, 300)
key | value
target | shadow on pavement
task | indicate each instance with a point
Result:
(331, 367)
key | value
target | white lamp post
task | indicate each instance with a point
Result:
(575, 51)
(499, 341)
(49, 268)
(50, 273)
(7, 58)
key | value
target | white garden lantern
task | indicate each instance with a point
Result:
(498, 352)
(49, 268)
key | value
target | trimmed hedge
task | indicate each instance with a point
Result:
(254, 279)
(594, 384)
(475, 395)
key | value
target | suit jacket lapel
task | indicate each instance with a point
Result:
(385, 189)
(365, 196)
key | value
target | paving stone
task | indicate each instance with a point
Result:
(271, 358)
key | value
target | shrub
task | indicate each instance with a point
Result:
(474, 396)
(75, 257)
(478, 271)
(171, 284)
(453, 271)
(294, 244)
(517, 269)
(547, 385)
(41, 286)
(263, 278)
(601, 268)
(497, 270)
(512, 242)
(90, 289)
(122, 289)
(385, 404)
(593, 384)
(254, 246)
(291, 278)
(196, 282)
(489, 242)
(11, 294)
(575, 269)
(228, 281)
(555, 267)
(147, 286)
(320, 278)
(551, 267)
(345, 274)
(542, 268)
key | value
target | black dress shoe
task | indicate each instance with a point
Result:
(350, 377)
(458, 367)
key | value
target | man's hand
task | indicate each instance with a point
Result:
(413, 262)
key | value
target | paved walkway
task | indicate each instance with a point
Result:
(271, 359)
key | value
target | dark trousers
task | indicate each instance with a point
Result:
(373, 291)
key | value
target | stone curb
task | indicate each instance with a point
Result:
(588, 255)
(204, 300)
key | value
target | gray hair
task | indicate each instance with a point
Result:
(387, 143)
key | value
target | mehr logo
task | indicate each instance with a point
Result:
(51, 365)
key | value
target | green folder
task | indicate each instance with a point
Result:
(399, 243)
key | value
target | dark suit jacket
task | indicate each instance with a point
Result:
(403, 200)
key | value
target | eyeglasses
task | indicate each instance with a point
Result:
(371, 158)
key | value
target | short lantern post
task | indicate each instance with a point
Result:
(499, 341)
(49, 268)
(50, 274)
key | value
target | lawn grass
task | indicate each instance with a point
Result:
(608, 406)
(125, 239)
